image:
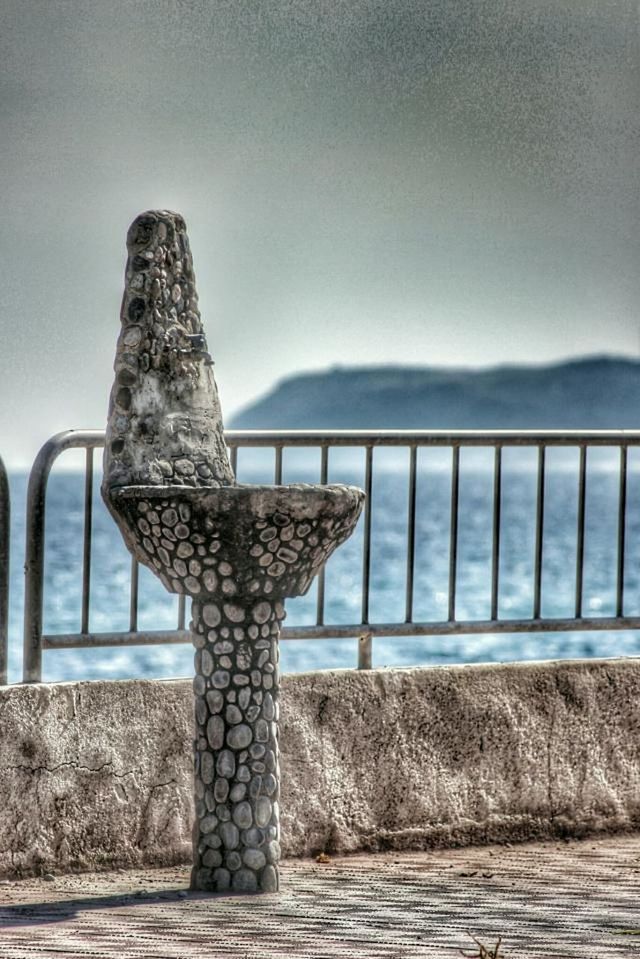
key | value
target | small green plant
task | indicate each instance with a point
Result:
(484, 952)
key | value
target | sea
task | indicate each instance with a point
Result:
(110, 567)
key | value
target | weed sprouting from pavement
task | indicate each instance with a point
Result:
(484, 952)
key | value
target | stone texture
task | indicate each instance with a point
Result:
(228, 522)
(99, 774)
(239, 787)
(164, 439)
(165, 424)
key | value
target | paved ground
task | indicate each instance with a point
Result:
(578, 899)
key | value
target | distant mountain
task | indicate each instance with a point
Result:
(593, 393)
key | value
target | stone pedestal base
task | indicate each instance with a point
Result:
(237, 774)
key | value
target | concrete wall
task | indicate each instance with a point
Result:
(97, 774)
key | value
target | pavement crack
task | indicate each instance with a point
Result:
(70, 764)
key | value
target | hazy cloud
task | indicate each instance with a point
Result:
(448, 182)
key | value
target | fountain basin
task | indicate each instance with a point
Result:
(236, 541)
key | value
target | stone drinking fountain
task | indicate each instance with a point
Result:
(237, 551)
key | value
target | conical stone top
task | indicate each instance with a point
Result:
(165, 423)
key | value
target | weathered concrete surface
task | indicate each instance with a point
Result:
(99, 774)
(82, 781)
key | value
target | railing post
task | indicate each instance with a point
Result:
(622, 517)
(582, 488)
(34, 565)
(86, 545)
(324, 479)
(34, 543)
(366, 639)
(539, 545)
(5, 525)
(365, 651)
(495, 544)
(411, 534)
(453, 531)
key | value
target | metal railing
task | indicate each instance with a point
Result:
(35, 641)
(5, 524)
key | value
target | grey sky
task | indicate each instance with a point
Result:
(363, 181)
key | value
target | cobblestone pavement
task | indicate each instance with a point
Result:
(577, 899)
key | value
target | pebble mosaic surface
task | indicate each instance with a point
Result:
(240, 541)
(236, 768)
(165, 423)
(237, 551)
(238, 564)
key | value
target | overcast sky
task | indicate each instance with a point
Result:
(364, 181)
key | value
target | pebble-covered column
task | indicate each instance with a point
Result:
(237, 775)
(237, 551)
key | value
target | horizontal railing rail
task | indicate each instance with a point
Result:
(35, 640)
(5, 528)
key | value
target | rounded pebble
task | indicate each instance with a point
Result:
(263, 811)
(268, 710)
(209, 580)
(272, 850)
(242, 815)
(211, 614)
(239, 737)
(221, 790)
(208, 824)
(234, 613)
(215, 700)
(180, 567)
(220, 679)
(238, 792)
(254, 858)
(207, 662)
(229, 835)
(270, 784)
(269, 879)
(253, 837)
(245, 881)
(212, 858)
(226, 764)
(262, 731)
(169, 518)
(224, 646)
(255, 786)
(206, 768)
(261, 612)
(233, 715)
(212, 841)
(222, 879)
(201, 711)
